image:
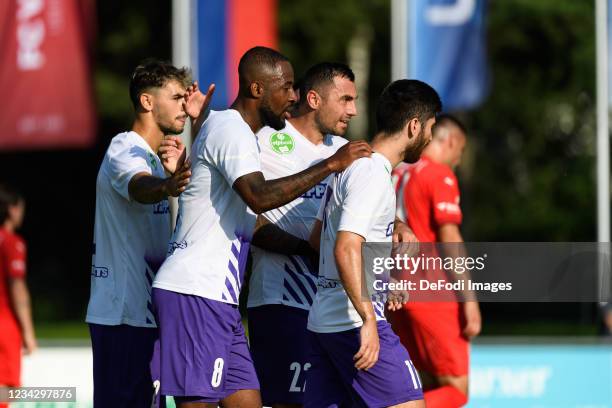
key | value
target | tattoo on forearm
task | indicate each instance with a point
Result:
(275, 193)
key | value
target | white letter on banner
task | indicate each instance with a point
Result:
(28, 9)
(453, 15)
(30, 36)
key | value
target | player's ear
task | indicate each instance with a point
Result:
(414, 127)
(146, 101)
(313, 99)
(257, 89)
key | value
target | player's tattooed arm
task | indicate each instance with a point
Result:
(347, 252)
(274, 239)
(262, 195)
(147, 189)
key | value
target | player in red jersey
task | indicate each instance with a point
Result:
(437, 334)
(15, 313)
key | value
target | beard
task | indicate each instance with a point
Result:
(328, 130)
(413, 153)
(269, 118)
(170, 127)
(171, 130)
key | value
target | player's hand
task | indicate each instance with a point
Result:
(172, 153)
(404, 240)
(195, 101)
(177, 183)
(473, 320)
(396, 299)
(347, 154)
(393, 304)
(367, 355)
(403, 233)
(29, 343)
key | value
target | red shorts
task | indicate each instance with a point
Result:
(10, 350)
(432, 334)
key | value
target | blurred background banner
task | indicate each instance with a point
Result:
(540, 375)
(224, 30)
(45, 76)
(447, 49)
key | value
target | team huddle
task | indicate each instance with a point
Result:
(273, 176)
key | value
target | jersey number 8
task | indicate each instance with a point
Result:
(217, 373)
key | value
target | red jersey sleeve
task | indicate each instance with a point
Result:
(15, 256)
(445, 199)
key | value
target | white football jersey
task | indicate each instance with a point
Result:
(210, 244)
(361, 199)
(130, 239)
(276, 278)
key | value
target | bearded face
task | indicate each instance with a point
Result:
(270, 118)
(419, 142)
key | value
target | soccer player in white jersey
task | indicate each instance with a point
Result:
(204, 356)
(284, 273)
(356, 359)
(132, 230)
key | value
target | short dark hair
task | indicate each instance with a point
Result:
(255, 58)
(404, 100)
(323, 74)
(445, 118)
(153, 73)
(8, 198)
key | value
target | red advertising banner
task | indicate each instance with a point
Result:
(45, 74)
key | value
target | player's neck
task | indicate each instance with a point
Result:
(151, 134)
(388, 147)
(249, 113)
(8, 226)
(433, 153)
(306, 126)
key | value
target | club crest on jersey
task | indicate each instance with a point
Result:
(282, 143)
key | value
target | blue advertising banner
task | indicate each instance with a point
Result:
(541, 376)
(447, 49)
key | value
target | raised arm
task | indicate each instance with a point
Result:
(262, 195)
(347, 252)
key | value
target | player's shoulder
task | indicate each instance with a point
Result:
(228, 118)
(127, 143)
(122, 141)
(11, 241)
(224, 125)
(430, 169)
(441, 173)
(265, 132)
(370, 168)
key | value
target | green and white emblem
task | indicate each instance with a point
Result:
(282, 143)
